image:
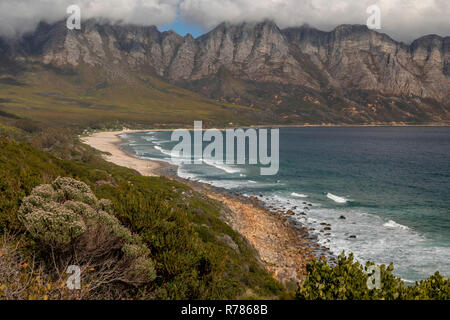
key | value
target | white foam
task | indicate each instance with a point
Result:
(149, 139)
(336, 198)
(166, 160)
(183, 173)
(166, 152)
(221, 166)
(394, 225)
(160, 142)
(299, 195)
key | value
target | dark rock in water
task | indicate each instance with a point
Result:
(323, 224)
(327, 234)
(305, 208)
(327, 228)
(302, 213)
(304, 202)
(290, 212)
(309, 204)
(352, 237)
(342, 218)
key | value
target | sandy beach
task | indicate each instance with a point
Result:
(283, 248)
(107, 142)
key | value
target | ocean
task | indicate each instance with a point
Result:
(384, 190)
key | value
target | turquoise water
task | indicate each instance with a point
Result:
(392, 185)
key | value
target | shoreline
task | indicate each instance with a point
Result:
(107, 143)
(330, 125)
(282, 245)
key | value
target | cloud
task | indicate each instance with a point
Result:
(402, 19)
(19, 16)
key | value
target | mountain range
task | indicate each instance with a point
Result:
(350, 75)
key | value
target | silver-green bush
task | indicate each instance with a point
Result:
(67, 215)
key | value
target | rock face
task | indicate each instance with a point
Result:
(357, 58)
(349, 75)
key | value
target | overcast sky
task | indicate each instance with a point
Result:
(402, 19)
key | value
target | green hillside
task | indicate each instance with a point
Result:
(184, 231)
(89, 97)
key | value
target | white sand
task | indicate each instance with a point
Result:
(107, 142)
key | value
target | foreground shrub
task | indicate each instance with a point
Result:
(347, 280)
(74, 227)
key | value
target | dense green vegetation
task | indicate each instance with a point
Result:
(348, 280)
(188, 241)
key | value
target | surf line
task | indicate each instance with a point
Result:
(235, 147)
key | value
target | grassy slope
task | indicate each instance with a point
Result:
(85, 98)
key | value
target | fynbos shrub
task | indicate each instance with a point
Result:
(67, 215)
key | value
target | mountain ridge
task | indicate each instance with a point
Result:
(348, 75)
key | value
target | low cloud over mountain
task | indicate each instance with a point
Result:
(402, 19)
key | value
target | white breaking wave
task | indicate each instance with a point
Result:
(160, 142)
(299, 195)
(222, 166)
(394, 225)
(414, 256)
(167, 152)
(182, 173)
(336, 198)
(165, 160)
